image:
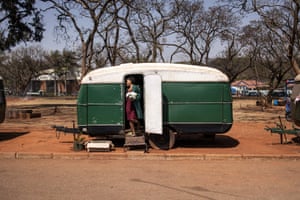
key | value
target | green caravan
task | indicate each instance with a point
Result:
(176, 99)
(2, 101)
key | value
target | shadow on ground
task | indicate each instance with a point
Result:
(11, 135)
(198, 141)
(296, 139)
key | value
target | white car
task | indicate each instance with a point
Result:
(38, 93)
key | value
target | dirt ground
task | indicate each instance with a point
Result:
(247, 135)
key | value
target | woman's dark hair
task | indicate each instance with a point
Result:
(132, 79)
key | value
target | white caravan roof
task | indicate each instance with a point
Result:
(168, 72)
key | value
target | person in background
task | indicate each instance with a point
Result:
(133, 106)
(288, 108)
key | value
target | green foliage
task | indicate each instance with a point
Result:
(62, 62)
(23, 64)
(78, 138)
(19, 21)
(19, 66)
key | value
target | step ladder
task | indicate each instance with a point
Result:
(135, 142)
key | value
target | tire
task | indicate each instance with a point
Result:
(165, 141)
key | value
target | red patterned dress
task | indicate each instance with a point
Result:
(130, 110)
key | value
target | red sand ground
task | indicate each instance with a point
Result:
(247, 135)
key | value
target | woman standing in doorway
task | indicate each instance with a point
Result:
(133, 106)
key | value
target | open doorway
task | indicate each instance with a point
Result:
(137, 103)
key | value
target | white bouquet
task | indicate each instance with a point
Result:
(131, 95)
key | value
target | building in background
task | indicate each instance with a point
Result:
(53, 83)
(246, 87)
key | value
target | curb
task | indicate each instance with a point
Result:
(142, 156)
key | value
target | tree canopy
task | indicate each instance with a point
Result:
(111, 32)
(20, 21)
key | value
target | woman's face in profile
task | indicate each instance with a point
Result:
(128, 83)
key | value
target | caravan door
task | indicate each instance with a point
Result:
(153, 104)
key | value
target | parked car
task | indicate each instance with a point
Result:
(278, 93)
(38, 93)
(7, 91)
(252, 93)
(234, 91)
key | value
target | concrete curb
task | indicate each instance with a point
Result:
(32, 155)
(142, 156)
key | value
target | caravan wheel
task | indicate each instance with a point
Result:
(165, 141)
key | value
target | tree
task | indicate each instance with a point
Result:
(143, 26)
(152, 22)
(196, 29)
(20, 66)
(110, 33)
(19, 21)
(131, 48)
(61, 62)
(233, 67)
(270, 62)
(85, 17)
(282, 18)
(63, 65)
(186, 28)
(116, 31)
(233, 60)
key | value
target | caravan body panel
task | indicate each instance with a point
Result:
(195, 99)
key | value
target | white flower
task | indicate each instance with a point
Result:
(131, 95)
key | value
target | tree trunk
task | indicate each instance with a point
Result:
(295, 66)
(83, 61)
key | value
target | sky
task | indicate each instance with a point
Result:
(53, 42)
(50, 40)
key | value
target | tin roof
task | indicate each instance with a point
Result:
(249, 84)
(167, 71)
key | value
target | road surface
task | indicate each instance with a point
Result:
(129, 179)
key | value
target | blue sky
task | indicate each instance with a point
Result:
(52, 42)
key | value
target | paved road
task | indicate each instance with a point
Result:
(101, 179)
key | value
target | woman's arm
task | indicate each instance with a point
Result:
(136, 89)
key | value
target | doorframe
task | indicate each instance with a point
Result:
(139, 80)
